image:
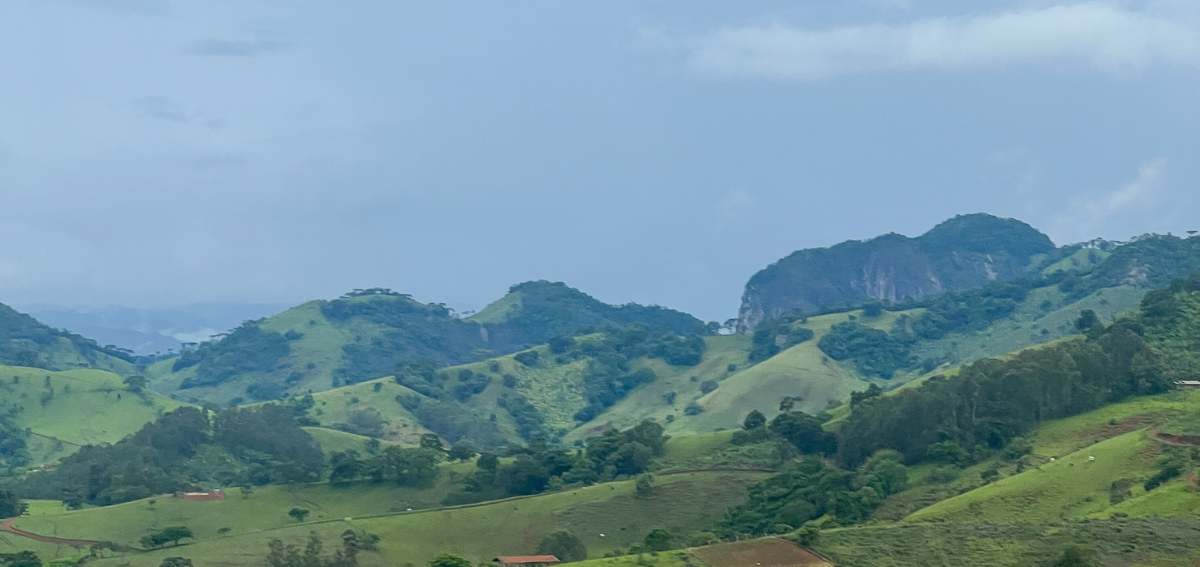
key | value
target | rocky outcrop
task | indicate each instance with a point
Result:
(962, 253)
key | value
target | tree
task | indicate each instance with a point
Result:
(1076, 556)
(563, 545)
(176, 562)
(804, 432)
(448, 560)
(659, 539)
(20, 559)
(298, 514)
(431, 441)
(136, 384)
(754, 420)
(460, 452)
(10, 506)
(488, 462)
(173, 535)
(1087, 320)
(645, 486)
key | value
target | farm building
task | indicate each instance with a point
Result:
(210, 496)
(1188, 383)
(525, 561)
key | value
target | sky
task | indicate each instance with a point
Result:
(158, 152)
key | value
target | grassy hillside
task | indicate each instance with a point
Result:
(1026, 517)
(605, 517)
(24, 341)
(367, 334)
(68, 409)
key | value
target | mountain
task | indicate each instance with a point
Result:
(25, 341)
(372, 333)
(538, 311)
(964, 252)
(148, 331)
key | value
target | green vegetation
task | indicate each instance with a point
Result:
(26, 342)
(965, 252)
(371, 333)
(181, 450)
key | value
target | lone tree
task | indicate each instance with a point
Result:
(173, 535)
(298, 514)
(1076, 556)
(659, 539)
(1087, 320)
(754, 420)
(563, 545)
(447, 560)
(644, 487)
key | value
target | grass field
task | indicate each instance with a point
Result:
(66, 410)
(1149, 542)
(334, 407)
(262, 508)
(606, 517)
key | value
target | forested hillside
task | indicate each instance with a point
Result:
(373, 333)
(26, 342)
(961, 253)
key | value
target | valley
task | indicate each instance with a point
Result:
(1002, 421)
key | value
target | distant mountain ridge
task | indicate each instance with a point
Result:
(964, 252)
(371, 333)
(25, 341)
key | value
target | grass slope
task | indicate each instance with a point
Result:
(478, 532)
(68, 409)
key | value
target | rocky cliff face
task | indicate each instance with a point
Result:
(961, 253)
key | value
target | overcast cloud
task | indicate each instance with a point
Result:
(1106, 36)
(156, 153)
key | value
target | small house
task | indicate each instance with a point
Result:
(1188, 383)
(525, 561)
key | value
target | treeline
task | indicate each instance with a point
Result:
(13, 439)
(880, 353)
(540, 467)
(991, 401)
(609, 374)
(248, 349)
(553, 309)
(25, 341)
(778, 334)
(185, 449)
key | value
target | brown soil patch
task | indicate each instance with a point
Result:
(759, 553)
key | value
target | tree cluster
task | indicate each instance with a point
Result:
(185, 449)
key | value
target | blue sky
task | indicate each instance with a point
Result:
(156, 152)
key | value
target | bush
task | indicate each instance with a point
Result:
(563, 545)
(527, 357)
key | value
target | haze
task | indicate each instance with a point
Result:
(157, 153)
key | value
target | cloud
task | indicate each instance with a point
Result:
(233, 48)
(1084, 219)
(1096, 34)
(161, 108)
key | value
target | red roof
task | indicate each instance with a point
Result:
(523, 559)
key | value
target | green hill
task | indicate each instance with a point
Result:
(367, 334)
(26, 342)
(53, 414)
(606, 517)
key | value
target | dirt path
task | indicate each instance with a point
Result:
(1175, 440)
(7, 526)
